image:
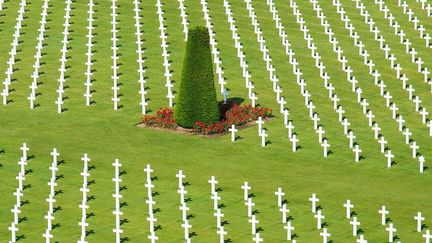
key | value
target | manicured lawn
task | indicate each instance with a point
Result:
(106, 134)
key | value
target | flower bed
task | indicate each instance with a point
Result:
(231, 114)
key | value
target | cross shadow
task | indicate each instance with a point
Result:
(159, 227)
(124, 221)
(22, 219)
(124, 239)
(89, 215)
(58, 225)
(20, 237)
(89, 232)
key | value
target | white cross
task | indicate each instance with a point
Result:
(427, 236)
(180, 177)
(289, 228)
(245, 188)
(325, 235)
(218, 214)
(254, 222)
(419, 220)
(260, 122)
(215, 198)
(351, 138)
(319, 218)
(383, 213)
(24, 150)
(314, 200)
(407, 134)
(390, 229)
(294, 141)
(325, 146)
(263, 136)
(357, 152)
(186, 227)
(382, 142)
(233, 130)
(361, 239)
(279, 193)
(414, 148)
(354, 223)
(13, 229)
(221, 232)
(421, 163)
(249, 204)
(213, 183)
(257, 238)
(389, 157)
(284, 210)
(348, 207)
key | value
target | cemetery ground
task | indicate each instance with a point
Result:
(107, 135)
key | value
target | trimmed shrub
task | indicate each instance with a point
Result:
(197, 95)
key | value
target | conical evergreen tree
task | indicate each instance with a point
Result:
(197, 95)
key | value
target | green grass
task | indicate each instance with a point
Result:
(106, 134)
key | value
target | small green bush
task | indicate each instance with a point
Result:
(197, 95)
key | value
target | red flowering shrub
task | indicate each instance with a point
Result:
(163, 118)
(236, 114)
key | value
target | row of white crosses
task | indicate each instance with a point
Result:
(51, 197)
(282, 205)
(250, 212)
(403, 77)
(397, 67)
(140, 51)
(84, 206)
(183, 16)
(165, 54)
(385, 94)
(390, 229)
(89, 54)
(117, 212)
(13, 51)
(353, 221)
(274, 79)
(419, 221)
(351, 78)
(115, 57)
(241, 55)
(150, 202)
(183, 207)
(415, 20)
(319, 217)
(398, 32)
(217, 210)
(214, 50)
(59, 102)
(38, 55)
(426, 7)
(323, 74)
(16, 210)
